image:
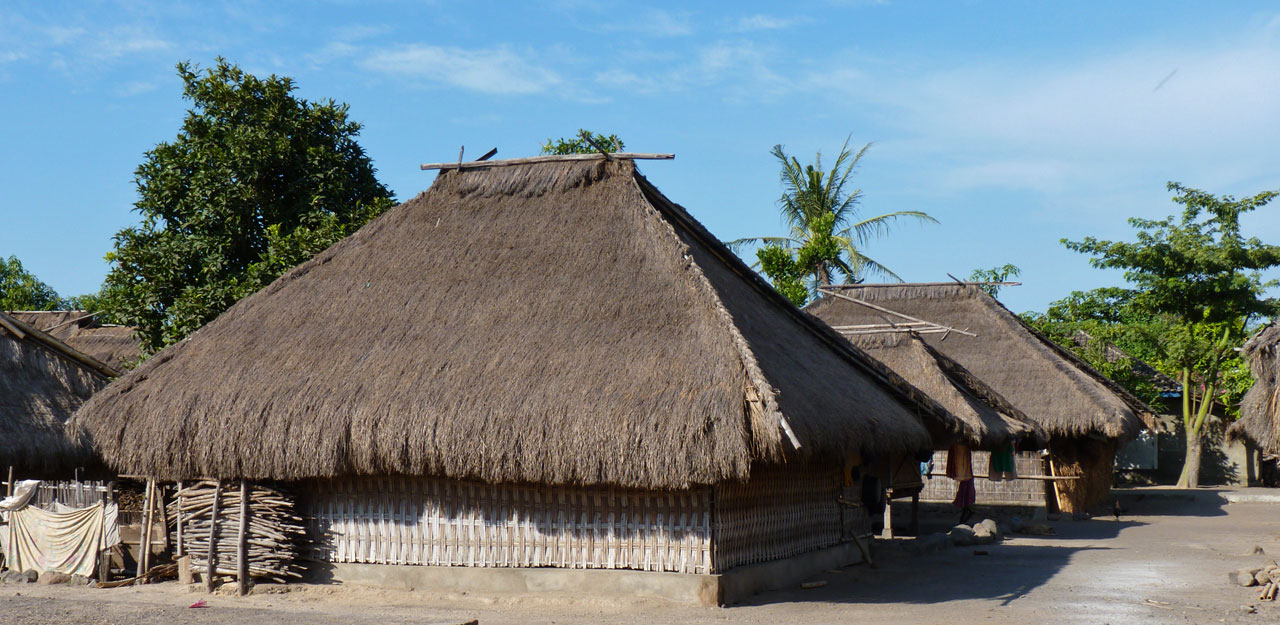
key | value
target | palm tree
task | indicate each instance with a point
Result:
(818, 207)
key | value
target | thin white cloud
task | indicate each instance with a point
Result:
(752, 23)
(494, 70)
(614, 17)
(126, 41)
(1098, 121)
(136, 87)
(736, 69)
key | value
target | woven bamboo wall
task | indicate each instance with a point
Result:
(780, 512)
(1020, 492)
(431, 521)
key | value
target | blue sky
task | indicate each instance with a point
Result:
(1013, 124)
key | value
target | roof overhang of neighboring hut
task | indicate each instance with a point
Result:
(42, 382)
(1046, 382)
(556, 322)
(1258, 419)
(115, 345)
(975, 413)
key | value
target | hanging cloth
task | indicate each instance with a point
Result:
(966, 494)
(66, 542)
(1002, 467)
(959, 463)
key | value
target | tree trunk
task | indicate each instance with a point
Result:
(1190, 477)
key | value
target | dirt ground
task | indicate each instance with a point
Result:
(1166, 561)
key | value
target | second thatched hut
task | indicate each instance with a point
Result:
(1086, 415)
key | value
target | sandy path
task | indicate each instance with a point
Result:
(1167, 564)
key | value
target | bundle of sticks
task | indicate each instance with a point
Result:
(272, 535)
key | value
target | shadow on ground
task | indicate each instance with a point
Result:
(1200, 502)
(1003, 573)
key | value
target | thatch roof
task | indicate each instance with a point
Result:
(1258, 420)
(1048, 383)
(976, 414)
(114, 345)
(42, 383)
(559, 322)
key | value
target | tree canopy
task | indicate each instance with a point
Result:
(582, 143)
(22, 290)
(1196, 282)
(821, 214)
(256, 181)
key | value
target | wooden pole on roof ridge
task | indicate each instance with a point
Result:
(242, 557)
(10, 483)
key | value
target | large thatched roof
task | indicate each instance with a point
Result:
(114, 345)
(42, 383)
(1049, 384)
(976, 414)
(1258, 421)
(559, 322)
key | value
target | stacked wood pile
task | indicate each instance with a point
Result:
(1266, 578)
(271, 537)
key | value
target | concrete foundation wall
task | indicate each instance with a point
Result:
(727, 588)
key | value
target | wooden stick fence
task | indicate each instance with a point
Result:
(251, 529)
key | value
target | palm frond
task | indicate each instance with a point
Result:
(878, 226)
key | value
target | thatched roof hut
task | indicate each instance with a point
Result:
(42, 383)
(557, 323)
(1048, 383)
(115, 345)
(975, 413)
(1258, 421)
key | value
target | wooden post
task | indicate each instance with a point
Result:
(179, 549)
(915, 514)
(888, 505)
(9, 490)
(104, 555)
(164, 517)
(213, 536)
(242, 556)
(144, 536)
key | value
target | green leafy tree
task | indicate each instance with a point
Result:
(994, 276)
(256, 181)
(1107, 331)
(788, 269)
(582, 144)
(1198, 275)
(22, 290)
(818, 206)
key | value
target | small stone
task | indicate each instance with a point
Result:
(48, 578)
(991, 528)
(1258, 550)
(1243, 577)
(31, 575)
(78, 580)
(961, 535)
(1249, 609)
(1262, 578)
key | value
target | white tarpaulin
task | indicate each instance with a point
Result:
(66, 542)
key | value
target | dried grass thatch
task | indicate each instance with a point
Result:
(976, 414)
(1049, 384)
(114, 345)
(1258, 421)
(42, 383)
(558, 323)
